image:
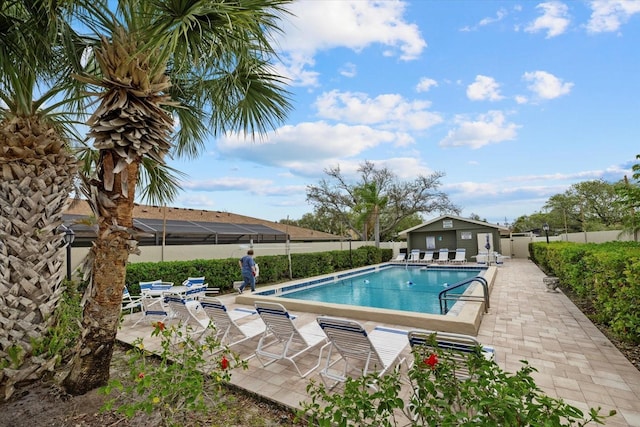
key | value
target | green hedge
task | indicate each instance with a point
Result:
(221, 273)
(607, 274)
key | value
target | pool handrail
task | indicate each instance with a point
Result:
(443, 297)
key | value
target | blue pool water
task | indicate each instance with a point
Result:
(396, 288)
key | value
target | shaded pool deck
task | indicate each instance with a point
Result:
(575, 361)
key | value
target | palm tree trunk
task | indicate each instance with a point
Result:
(103, 298)
(37, 177)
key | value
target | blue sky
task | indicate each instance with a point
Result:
(513, 100)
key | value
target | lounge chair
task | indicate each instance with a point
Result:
(193, 281)
(461, 256)
(130, 302)
(427, 257)
(414, 256)
(182, 310)
(400, 258)
(227, 331)
(377, 351)
(283, 334)
(458, 346)
(153, 309)
(443, 256)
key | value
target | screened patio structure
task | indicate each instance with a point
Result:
(153, 231)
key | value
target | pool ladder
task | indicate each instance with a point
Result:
(443, 296)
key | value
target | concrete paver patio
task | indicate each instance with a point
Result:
(575, 361)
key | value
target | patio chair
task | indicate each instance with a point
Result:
(443, 256)
(130, 302)
(400, 258)
(461, 256)
(283, 334)
(457, 346)
(227, 331)
(373, 352)
(153, 309)
(427, 257)
(183, 311)
(154, 288)
(193, 281)
(414, 255)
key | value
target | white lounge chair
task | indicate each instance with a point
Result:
(182, 310)
(443, 256)
(400, 258)
(456, 345)
(227, 331)
(427, 257)
(374, 352)
(130, 302)
(289, 341)
(461, 256)
(414, 256)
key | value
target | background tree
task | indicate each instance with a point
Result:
(629, 201)
(587, 206)
(38, 111)
(200, 65)
(344, 201)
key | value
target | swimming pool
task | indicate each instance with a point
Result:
(407, 288)
(464, 317)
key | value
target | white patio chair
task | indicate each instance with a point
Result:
(227, 331)
(427, 257)
(457, 346)
(400, 258)
(359, 351)
(130, 302)
(153, 309)
(461, 256)
(443, 256)
(414, 256)
(289, 341)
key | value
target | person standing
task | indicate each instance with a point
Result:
(248, 269)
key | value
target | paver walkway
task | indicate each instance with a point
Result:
(575, 361)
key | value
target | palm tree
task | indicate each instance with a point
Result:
(38, 170)
(200, 65)
(371, 204)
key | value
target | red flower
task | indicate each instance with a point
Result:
(431, 361)
(224, 363)
(141, 375)
(160, 326)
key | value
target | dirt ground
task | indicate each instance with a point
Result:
(44, 404)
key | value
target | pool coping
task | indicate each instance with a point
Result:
(463, 318)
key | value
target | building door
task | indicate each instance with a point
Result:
(485, 239)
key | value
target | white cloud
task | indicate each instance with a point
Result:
(521, 99)
(425, 84)
(353, 24)
(609, 15)
(348, 70)
(545, 85)
(484, 88)
(390, 111)
(307, 148)
(554, 19)
(490, 128)
(500, 14)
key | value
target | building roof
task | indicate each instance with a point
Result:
(459, 218)
(193, 226)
